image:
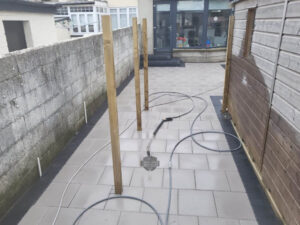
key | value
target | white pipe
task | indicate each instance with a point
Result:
(39, 166)
(85, 115)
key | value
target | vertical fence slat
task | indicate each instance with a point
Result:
(228, 64)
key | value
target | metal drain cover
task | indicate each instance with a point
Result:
(150, 163)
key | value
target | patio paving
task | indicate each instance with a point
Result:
(209, 188)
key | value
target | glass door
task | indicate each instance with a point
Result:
(162, 26)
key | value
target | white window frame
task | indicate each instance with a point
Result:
(102, 11)
(119, 15)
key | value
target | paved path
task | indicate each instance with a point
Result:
(209, 188)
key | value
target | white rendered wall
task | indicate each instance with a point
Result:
(146, 11)
(62, 32)
(122, 3)
(39, 28)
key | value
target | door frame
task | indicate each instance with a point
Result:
(171, 19)
(173, 16)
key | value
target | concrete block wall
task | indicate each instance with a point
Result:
(42, 91)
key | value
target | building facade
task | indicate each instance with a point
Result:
(189, 29)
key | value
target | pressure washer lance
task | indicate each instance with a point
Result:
(150, 162)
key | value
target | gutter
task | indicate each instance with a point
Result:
(28, 3)
(74, 3)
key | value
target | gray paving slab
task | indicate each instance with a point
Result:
(89, 194)
(181, 179)
(217, 221)
(108, 179)
(211, 180)
(143, 178)
(234, 205)
(197, 203)
(159, 199)
(181, 220)
(124, 204)
(130, 218)
(192, 161)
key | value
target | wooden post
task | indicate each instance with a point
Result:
(112, 101)
(228, 63)
(145, 48)
(136, 57)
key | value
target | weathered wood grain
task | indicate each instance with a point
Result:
(145, 54)
(293, 9)
(136, 57)
(291, 44)
(270, 12)
(266, 39)
(288, 77)
(290, 95)
(292, 26)
(112, 101)
(228, 64)
(273, 142)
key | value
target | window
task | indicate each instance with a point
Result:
(189, 22)
(162, 30)
(90, 22)
(74, 23)
(100, 9)
(114, 18)
(99, 23)
(123, 17)
(82, 23)
(15, 35)
(218, 5)
(249, 31)
(190, 5)
(217, 25)
(81, 9)
(62, 11)
(132, 13)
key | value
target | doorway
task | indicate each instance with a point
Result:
(15, 36)
(162, 26)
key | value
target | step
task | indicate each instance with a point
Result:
(159, 57)
(174, 62)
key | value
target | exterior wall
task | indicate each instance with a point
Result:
(62, 32)
(41, 106)
(277, 158)
(146, 11)
(3, 43)
(122, 3)
(200, 55)
(39, 28)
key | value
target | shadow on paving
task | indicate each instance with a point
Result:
(260, 204)
(21, 206)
